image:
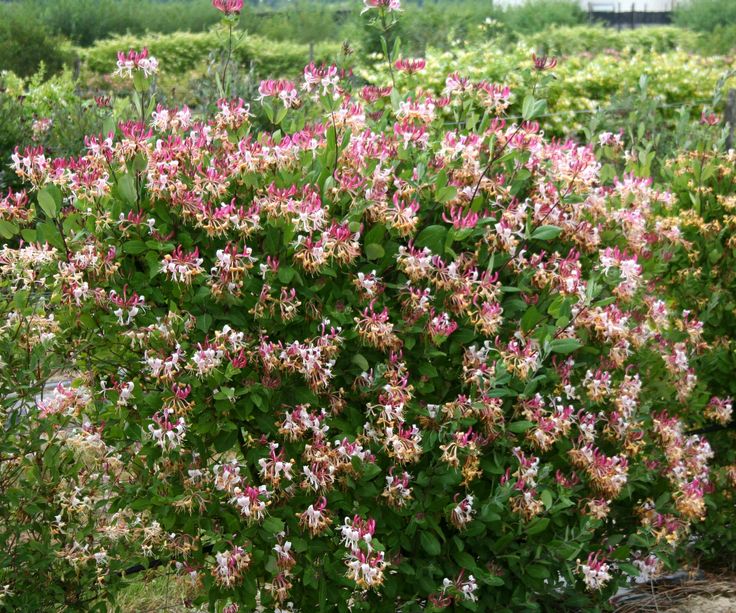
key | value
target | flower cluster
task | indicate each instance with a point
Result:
(136, 61)
(228, 7)
(365, 565)
(596, 572)
(385, 5)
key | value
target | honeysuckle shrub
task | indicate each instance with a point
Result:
(53, 475)
(699, 272)
(370, 362)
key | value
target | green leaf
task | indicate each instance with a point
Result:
(281, 113)
(268, 109)
(537, 571)
(446, 194)
(405, 569)
(286, 274)
(204, 322)
(134, 247)
(629, 569)
(374, 251)
(140, 81)
(310, 575)
(527, 107)
(375, 234)
(430, 544)
(360, 361)
(531, 107)
(519, 426)
(108, 125)
(538, 525)
(396, 48)
(621, 553)
(370, 470)
(464, 559)
(545, 233)
(47, 203)
(384, 48)
(433, 237)
(531, 318)
(126, 187)
(273, 525)
(564, 345)
(331, 145)
(226, 440)
(8, 229)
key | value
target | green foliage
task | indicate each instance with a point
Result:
(721, 41)
(599, 39)
(184, 51)
(439, 25)
(301, 21)
(38, 461)
(705, 15)
(701, 276)
(24, 102)
(203, 287)
(536, 15)
(26, 42)
(85, 21)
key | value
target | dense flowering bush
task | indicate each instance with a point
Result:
(700, 273)
(364, 363)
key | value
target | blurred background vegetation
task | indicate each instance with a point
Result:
(54, 31)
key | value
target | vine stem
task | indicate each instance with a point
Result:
(388, 51)
(227, 59)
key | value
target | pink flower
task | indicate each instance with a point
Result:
(389, 5)
(543, 62)
(229, 7)
(135, 60)
(709, 119)
(284, 90)
(410, 66)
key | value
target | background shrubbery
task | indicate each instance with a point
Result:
(26, 43)
(183, 51)
(85, 21)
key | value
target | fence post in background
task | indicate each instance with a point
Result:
(633, 16)
(730, 117)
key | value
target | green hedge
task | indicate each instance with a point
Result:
(596, 39)
(183, 51)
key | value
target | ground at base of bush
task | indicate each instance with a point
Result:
(703, 593)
